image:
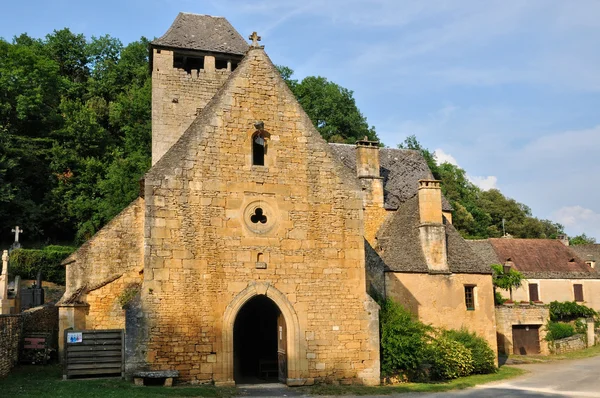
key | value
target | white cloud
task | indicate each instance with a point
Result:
(443, 157)
(578, 220)
(485, 183)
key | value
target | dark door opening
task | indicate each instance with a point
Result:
(256, 347)
(526, 339)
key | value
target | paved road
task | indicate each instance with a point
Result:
(569, 378)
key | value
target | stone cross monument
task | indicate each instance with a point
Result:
(4, 303)
(17, 231)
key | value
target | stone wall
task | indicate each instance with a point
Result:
(439, 300)
(205, 257)
(177, 98)
(568, 344)
(507, 316)
(10, 337)
(100, 270)
(41, 319)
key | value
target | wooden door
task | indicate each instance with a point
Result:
(282, 348)
(526, 339)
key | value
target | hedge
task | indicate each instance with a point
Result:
(26, 263)
(569, 311)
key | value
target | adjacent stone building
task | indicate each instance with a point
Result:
(251, 250)
(553, 270)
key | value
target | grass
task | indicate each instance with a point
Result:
(44, 381)
(41, 381)
(505, 372)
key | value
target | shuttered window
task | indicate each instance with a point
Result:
(533, 292)
(578, 292)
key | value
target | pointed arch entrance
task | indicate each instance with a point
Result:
(259, 343)
(288, 340)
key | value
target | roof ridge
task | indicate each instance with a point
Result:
(201, 15)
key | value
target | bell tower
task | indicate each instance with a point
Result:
(190, 62)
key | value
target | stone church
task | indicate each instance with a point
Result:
(253, 245)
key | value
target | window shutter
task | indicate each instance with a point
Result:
(578, 291)
(533, 292)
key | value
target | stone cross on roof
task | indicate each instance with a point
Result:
(17, 231)
(255, 39)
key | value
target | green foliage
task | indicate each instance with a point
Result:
(510, 280)
(477, 213)
(484, 359)
(74, 132)
(559, 330)
(449, 359)
(404, 340)
(331, 108)
(28, 262)
(569, 310)
(129, 293)
(582, 239)
(499, 299)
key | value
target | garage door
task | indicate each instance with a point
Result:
(526, 339)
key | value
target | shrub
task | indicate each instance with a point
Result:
(403, 340)
(559, 330)
(569, 311)
(28, 262)
(498, 299)
(449, 359)
(484, 359)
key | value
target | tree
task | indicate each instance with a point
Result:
(582, 239)
(507, 280)
(330, 107)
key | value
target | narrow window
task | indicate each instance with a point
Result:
(258, 150)
(533, 292)
(220, 64)
(470, 297)
(578, 292)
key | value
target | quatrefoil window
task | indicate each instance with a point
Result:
(258, 216)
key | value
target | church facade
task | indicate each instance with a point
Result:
(248, 226)
(251, 250)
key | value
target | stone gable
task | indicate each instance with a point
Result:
(203, 251)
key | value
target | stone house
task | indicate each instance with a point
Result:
(253, 243)
(553, 270)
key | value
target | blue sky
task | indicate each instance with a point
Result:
(509, 90)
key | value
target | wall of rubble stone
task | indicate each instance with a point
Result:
(10, 337)
(568, 344)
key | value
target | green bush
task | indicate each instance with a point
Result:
(404, 340)
(569, 311)
(28, 262)
(449, 359)
(498, 299)
(559, 330)
(484, 359)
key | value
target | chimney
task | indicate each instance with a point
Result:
(367, 170)
(432, 230)
(564, 239)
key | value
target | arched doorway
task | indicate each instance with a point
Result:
(259, 343)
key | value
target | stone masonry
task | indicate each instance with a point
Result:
(200, 238)
(178, 97)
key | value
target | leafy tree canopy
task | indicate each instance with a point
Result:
(331, 108)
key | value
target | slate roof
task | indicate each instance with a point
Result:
(588, 252)
(535, 258)
(204, 33)
(400, 245)
(401, 170)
